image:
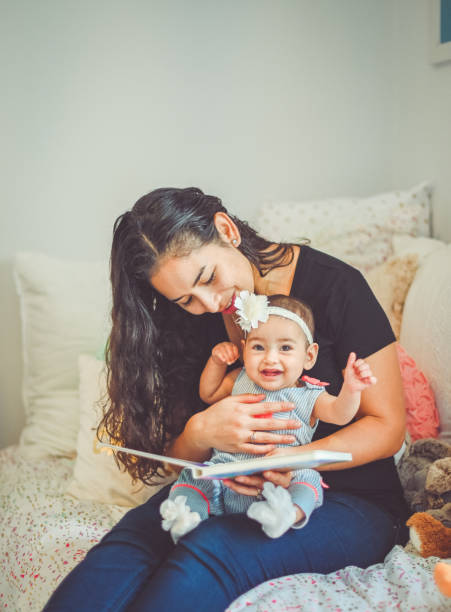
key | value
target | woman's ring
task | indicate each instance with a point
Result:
(252, 437)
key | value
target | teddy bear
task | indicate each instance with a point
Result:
(429, 536)
(425, 474)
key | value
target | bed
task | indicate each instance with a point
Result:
(59, 494)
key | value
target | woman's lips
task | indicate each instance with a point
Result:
(231, 308)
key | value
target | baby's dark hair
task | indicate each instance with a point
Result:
(294, 305)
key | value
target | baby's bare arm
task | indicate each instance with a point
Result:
(215, 384)
(340, 410)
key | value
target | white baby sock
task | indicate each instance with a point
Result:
(177, 517)
(277, 514)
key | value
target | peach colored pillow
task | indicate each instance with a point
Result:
(422, 415)
(390, 283)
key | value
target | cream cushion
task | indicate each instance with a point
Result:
(421, 246)
(391, 280)
(96, 475)
(425, 329)
(357, 230)
(390, 283)
(64, 312)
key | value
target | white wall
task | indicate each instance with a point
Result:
(247, 99)
(422, 143)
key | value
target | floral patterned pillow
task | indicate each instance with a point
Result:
(357, 230)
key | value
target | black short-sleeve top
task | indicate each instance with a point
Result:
(347, 318)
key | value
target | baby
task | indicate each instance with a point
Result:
(278, 346)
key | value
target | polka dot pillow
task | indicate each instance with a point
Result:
(357, 230)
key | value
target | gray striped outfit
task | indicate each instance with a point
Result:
(305, 488)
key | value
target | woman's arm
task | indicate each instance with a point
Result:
(379, 430)
(380, 427)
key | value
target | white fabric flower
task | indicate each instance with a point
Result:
(251, 309)
(178, 518)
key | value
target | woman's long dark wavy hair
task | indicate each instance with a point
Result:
(153, 356)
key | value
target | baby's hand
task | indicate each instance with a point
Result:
(225, 353)
(358, 375)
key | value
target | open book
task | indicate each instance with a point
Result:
(309, 459)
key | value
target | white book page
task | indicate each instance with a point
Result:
(308, 459)
(162, 458)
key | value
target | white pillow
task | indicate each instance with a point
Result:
(391, 280)
(64, 312)
(357, 230)
(426, 329)
(96, 475)
(420, 246)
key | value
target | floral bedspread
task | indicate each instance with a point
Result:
(403, 582)
(44, 534)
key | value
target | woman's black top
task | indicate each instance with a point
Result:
(347, 318)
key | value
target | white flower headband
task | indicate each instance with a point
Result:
(254, 309)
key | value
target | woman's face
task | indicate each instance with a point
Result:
(206, 280)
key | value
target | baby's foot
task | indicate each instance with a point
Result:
(177, 517)
(277, 514)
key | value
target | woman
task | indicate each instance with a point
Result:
(176, 254)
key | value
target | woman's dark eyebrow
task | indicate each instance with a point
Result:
(196, 280)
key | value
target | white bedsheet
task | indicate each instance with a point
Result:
(44, 534)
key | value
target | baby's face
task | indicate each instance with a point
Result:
(275, 353)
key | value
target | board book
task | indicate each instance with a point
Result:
(308, 459)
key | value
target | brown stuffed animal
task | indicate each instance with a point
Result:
(429, 536)
(425, 473)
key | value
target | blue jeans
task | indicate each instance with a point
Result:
(136, 567)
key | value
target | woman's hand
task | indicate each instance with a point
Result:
(253, 484)
(231, 425)
(235, 424)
